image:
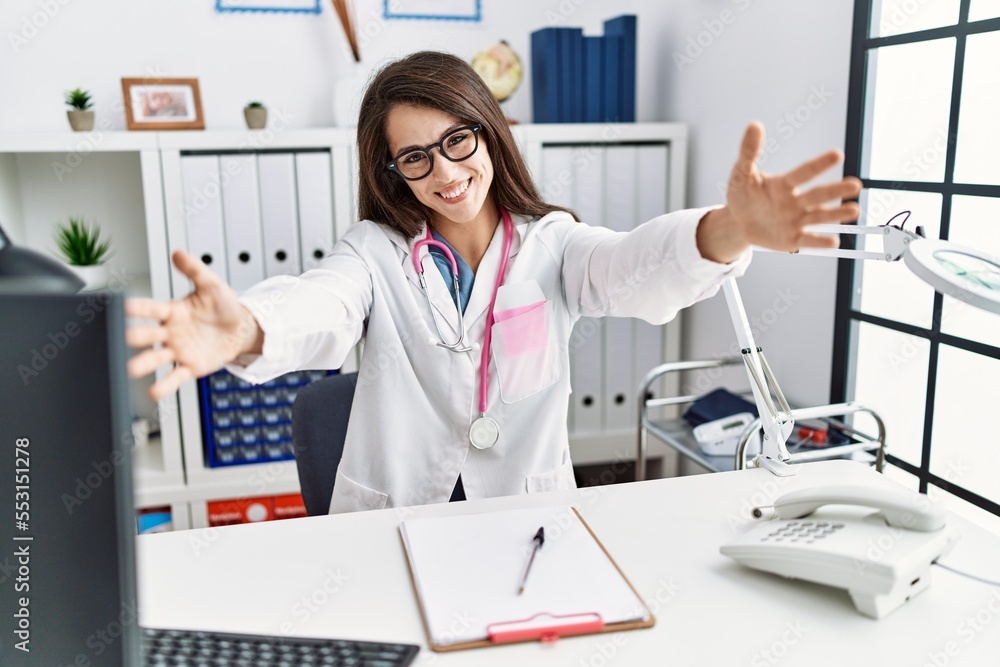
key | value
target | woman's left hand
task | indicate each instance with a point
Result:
(770, 211)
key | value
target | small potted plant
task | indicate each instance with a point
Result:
(81, 118)
(85, 251)
(256, 115)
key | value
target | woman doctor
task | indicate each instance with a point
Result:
(464, 286)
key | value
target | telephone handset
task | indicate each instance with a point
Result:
(882, 559)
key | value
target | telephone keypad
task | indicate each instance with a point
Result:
(802, 531)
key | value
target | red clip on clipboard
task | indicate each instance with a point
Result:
(544, 627)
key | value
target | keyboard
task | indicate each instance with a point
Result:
(216, 649)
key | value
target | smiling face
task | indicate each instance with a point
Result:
(454, 192)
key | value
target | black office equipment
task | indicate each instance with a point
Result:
(182, 647)
(319, 426)
(67, 565)
(67, 513)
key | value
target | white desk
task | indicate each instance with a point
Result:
(346, 576)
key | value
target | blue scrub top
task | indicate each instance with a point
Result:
(465, 275)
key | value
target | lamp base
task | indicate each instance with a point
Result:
(777, 468)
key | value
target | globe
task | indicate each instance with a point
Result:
(500, 68)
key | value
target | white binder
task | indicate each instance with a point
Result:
(587, 349)
(241, 212)
(203, 211)
(315, 193)
(651, 165)
(623, 182)
(279, 213)
(555, 188)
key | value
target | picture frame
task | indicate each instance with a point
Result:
(434, 10)
(162, 104)
(273, 6)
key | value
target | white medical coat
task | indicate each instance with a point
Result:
(407, 440)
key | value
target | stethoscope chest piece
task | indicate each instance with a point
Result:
(484, 433)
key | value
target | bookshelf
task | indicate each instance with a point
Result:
(134, 184)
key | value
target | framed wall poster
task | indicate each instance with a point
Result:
(440, 10)
(162, 104)
(278, 6)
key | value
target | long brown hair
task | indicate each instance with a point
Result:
(446, 83)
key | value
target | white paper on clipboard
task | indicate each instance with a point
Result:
(467, 571)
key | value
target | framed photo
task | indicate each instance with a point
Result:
(277, 6)
(440, 10)
(162, 104)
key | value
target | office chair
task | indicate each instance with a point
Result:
(319, 425)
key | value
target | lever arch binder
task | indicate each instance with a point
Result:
(466, 571)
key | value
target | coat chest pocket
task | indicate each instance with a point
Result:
(522, 337)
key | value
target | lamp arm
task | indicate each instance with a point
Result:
(895, 242)
(775, 415)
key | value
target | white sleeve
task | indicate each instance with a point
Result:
(651, 272)
(312, 320)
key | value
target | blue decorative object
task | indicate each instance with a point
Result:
(274, 6)
(434, 10)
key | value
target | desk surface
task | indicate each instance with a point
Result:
(346, 576)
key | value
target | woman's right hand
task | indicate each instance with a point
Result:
(198, 334)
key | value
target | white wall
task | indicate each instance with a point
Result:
(10, 199)
(761, 60)
(291, 62)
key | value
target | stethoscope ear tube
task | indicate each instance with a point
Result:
(459, 345)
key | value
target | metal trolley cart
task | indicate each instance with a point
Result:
(677, 433)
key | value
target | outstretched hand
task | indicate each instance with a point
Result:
(198, 334)
(770, 210)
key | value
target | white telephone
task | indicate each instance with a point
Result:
(882, 559)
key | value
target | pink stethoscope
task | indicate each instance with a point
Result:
(484, 431)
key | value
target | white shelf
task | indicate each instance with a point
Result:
(99, 141)
(68, 141)
(554, 133)
(154, 486)
(266, 139)
(275, 478)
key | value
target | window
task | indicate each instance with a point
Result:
(924, 136)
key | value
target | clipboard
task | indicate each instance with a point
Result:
(442, 555)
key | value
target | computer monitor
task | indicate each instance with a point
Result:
(67, 566)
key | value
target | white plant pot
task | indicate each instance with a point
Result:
(96, 277)
(256, 117)
(80, 121)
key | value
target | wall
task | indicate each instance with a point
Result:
(291, 62)
(10, 199)
(748, 60)
(785, 64)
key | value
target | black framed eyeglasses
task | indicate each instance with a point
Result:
(416, 163)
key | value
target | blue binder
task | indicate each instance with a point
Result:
(572, 73)
(593, 79)
(625, 27)
(545, 75)
(613, 47)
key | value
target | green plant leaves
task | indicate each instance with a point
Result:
(80, 244)
(79, 99)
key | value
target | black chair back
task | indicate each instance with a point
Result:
(319, 426)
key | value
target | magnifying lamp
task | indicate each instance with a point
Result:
(967, 274)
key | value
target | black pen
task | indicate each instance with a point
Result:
(539, 540)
